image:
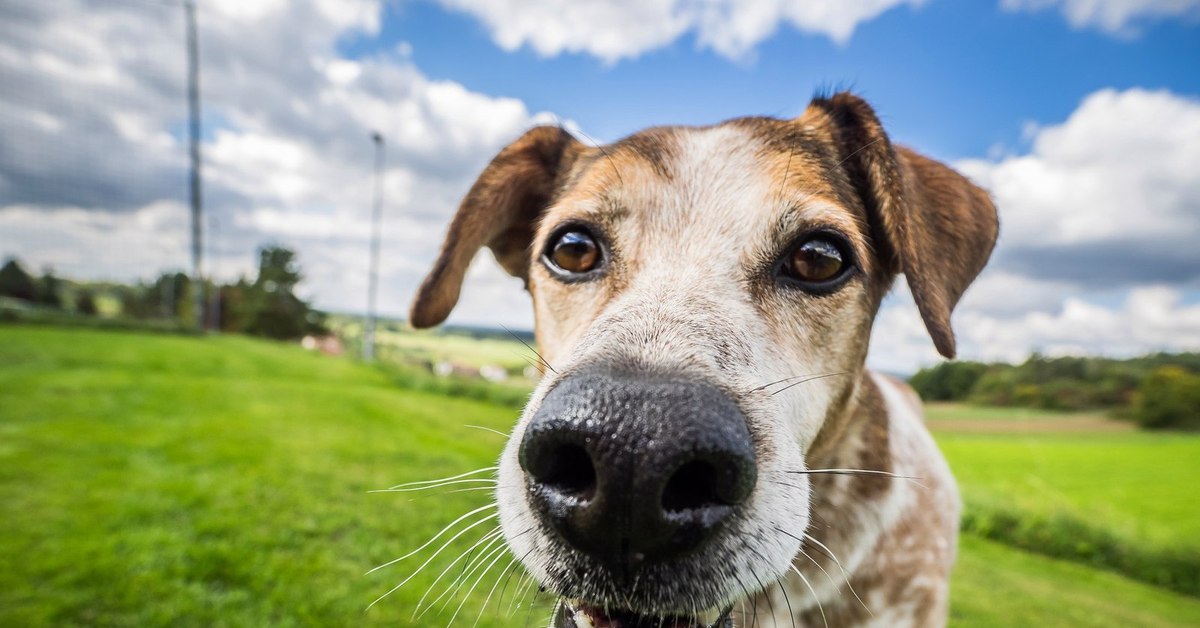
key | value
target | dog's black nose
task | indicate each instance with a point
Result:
(631, 468)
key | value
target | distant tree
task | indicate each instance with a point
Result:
(272, 308)
(1169, 398)
(85, 303)
(948, 381)
(49, 290)
(278, 270)
(234, 309)
(165, 297)
(16, 283)
(168, 295)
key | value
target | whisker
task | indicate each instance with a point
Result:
(804, 378)
(508, 579)
(845, 574)
(820, 607)
(804, 381)
(487, 429)
(605, 154)
(483, 607)
(451, 592)
(914, 480)
(864, 147)
(787, 485)
(754, 609)
(499, 553)
(393, 590)
(762, 587)
(791, 613)
(529, 613)
(487, 541)
(453, 477)
(535, 351)
(553, 612)
(468, 490)
(828, 552)
(435, 537)
(745, 596)
(519, 595)
(786, 171)
(413, 489)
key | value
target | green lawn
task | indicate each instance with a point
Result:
(1139, 486)
(153, 480)
(158, 480)
(1002, 587)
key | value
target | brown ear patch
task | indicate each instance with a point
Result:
(927, 221)
(500, 211)
(952, 229)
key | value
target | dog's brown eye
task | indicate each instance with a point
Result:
(575, 252)
(816, 261)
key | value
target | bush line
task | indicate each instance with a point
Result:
(1068, 538)
(421, 381)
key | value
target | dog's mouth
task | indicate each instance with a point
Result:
(574, 614)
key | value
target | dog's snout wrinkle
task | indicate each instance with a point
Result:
(630, 467)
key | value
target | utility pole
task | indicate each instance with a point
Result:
(193, 93)
(368, 348)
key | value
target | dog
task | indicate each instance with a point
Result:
(706, 447)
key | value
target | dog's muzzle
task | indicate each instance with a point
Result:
(632, 469)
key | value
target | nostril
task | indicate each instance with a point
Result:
(692, 487)
(569, 470)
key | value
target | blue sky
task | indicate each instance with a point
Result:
(1082, 118)
(954, 78)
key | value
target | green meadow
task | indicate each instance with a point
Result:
(161, 480)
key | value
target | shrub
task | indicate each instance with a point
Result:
(85, 303)
(1061, 536)
(1169, 398)
(16, 283)
(948, 381)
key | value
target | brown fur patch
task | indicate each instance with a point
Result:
(928, 221)
(500, 211)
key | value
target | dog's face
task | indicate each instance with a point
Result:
(703, 299)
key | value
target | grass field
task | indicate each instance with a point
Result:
(1139, 486)
(153, 480)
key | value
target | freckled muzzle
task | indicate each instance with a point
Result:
(632, 468)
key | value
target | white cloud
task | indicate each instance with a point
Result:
(1149, 318)
(93, 167)
(1111, 195)
(613, 30)
(1098, 223)
(1118, 17)
(83, 243)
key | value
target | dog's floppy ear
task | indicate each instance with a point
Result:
(927, 220)
(500, 212)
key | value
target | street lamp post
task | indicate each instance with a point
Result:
(193, 93)
(368, 348)
(214, 300)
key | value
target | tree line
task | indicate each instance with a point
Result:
(266, 305)
(1158, 391)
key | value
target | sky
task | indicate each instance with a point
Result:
(1081, 117)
